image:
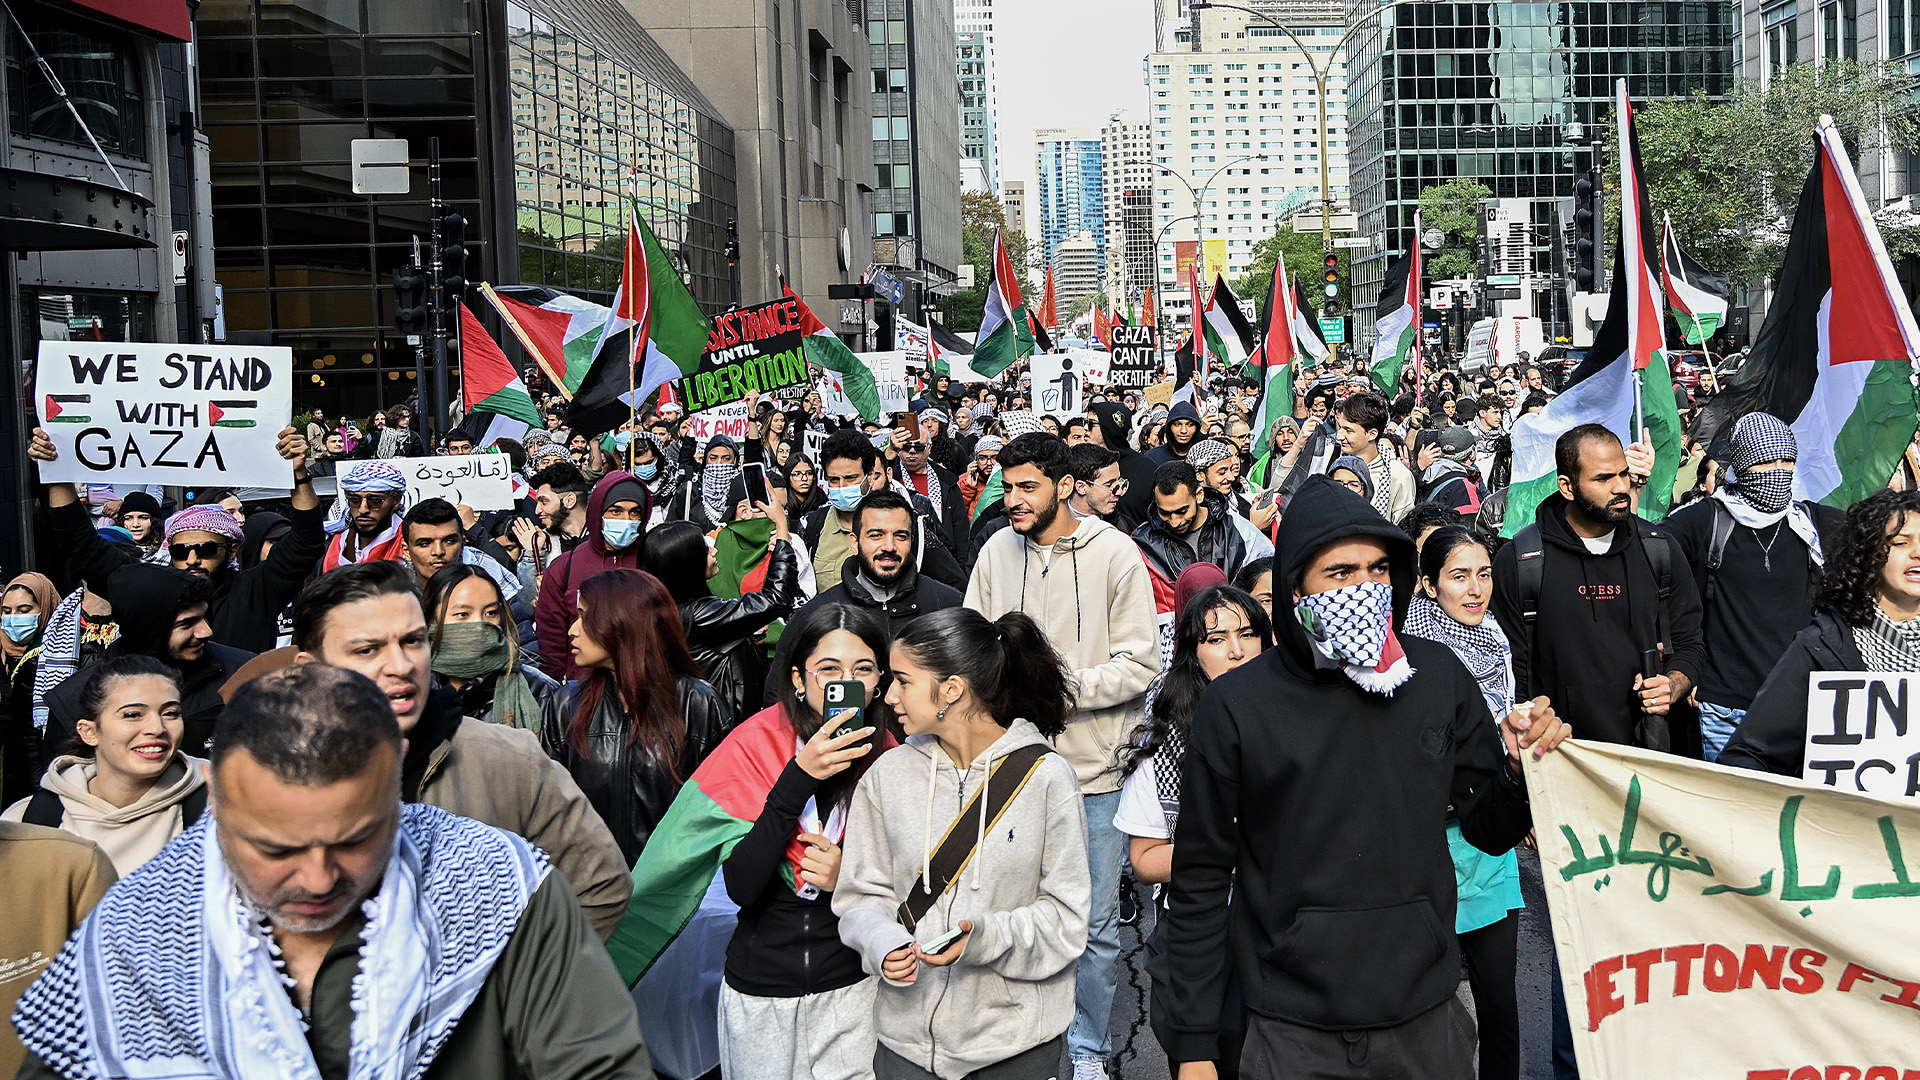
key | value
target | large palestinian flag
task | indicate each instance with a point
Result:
(1224, 331)
(1835, 355)
(1696, 295)
(1396, 326)
(561, 332)
(489, 384)
(1006, 328)
(1274, 358)
(825, 350)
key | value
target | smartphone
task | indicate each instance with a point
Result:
(942, 943)
(754, 475)
(846, 702)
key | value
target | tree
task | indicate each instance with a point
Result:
(1079, 307)
(1304, 254)
(980, 214)
(1454, 209)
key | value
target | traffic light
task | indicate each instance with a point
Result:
(1331, 276)
(453, 257)
(410, 300)
(1586, 232)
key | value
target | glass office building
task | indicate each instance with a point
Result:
(543, 108)
(1485, 90)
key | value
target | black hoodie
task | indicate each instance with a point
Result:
(1596, 614)
(1136, 506)
(1312, 834)
(146, 602)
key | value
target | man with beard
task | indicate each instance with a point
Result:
(560, 500)
(321, 924)
(245, 605)
(365, 523)
(1191, 524)
(1183, 430)
(850, 470)
(1083, 583)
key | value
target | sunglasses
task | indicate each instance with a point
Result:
(367, 500)
(915, 448)
(207, 550)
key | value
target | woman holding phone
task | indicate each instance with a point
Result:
(964, 879)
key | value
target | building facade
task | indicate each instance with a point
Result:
(1076, 269)
(544, 111)
(1070, 190)
(793, 82)
(1013, 200)
(1234, 107)
(977, 129)
(916, 143)
(1485, 91)
(91, 234)
(1126, 175)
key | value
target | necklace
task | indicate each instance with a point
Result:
(1766, 549)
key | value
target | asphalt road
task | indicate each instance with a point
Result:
(1141, 1058)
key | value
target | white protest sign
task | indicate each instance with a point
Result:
(731, 420)
(890, 377)
(1059, 390)
(1860, 734)
(1717, 924)
(192, 415)
(812, 441)
(482, 481)
(1093, 364)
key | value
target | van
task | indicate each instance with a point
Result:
(1501, 341)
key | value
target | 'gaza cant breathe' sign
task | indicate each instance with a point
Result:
(193, 415)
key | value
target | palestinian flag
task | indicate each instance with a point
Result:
(559, 331)
(825, 350)
(1049, 314)
(713, 812)
(1835, 355)
(1102, 328)
(1628, 350)
(1275, 358)
(1306, 325)
(1129, 319)
(1229, 340)
(489, 383)
(740, 551)
(1396, 326)
(1006, 328)
(1696, 295)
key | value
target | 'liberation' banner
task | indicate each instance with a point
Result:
(1714, 924)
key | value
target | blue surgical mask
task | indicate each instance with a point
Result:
(620, 535)
(20, 628)
(845, 498)
(648, 471)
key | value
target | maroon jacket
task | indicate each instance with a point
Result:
(560, 588)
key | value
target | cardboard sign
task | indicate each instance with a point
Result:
(482, 481)
(1059, 390)
(1716, 924)
(1862, 734)
(1160, 393)
(1133, 362)
(195, 415)
(732, 420)
(1094, 365)
(755, 348)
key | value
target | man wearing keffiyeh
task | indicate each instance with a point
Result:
(1757, 556)
(330, 930)
(1358, 739)
(365, 522)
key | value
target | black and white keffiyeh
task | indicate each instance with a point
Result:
(1209, 452)
(1353, 629)
(173, 975)
(715, 482)
(1761, 500)
(1484, 649)
(1887, 645)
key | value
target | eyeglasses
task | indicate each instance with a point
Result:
(1119, 485)
(369, 500)
(862, 671)
(207, 550)
(915, 448)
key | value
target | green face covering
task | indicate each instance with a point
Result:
(470, 650)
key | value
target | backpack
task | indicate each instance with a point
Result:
(1723, 525)
(46, 809)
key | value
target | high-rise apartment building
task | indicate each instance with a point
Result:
(1126, 166)
(1235, 112)
(1070, 189)
(979, 94)
(792, 80)
(916, 139)
(1485, 91)
(1013, 199)
(1076, 269)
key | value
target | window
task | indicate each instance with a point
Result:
(101, 76)
(1896, 28)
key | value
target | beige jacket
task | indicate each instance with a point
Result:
(499, 775)
(52, 880)
(130, 835)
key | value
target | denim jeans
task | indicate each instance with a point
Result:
(1089, 1039)
(1717, 723)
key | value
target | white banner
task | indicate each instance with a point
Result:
(480, 481)
(1714, 924)
(1093, 364)
(192, 415)
(1059, 389)
(1859, 735)
(732, 420)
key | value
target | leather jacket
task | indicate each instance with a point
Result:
(1168, 554)
(720, 630)
(630, 788)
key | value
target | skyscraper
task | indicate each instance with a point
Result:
(1013, 199)
(1068, 175)
(916, 138)
(979, 93)
(1126, 164)
(1484, 91)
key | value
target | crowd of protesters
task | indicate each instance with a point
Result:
(393, 787)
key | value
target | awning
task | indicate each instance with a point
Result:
(39, 212)
(168, 18)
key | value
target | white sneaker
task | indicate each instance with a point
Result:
(1089, 1070)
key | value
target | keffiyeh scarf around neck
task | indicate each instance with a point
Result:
(198, 996)
(1887, 645)
(715, 482)
(1352, 629)
(1484, 649)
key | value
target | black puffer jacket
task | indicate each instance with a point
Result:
(628, 787)
(1168, 554)
(720, 630)
(1772, 737)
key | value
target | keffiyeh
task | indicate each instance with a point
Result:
(715, 481)
(1016, 424)
(1484, 649)
(1209, 452)
(1887, 645)
(989, 444)
(1352, 628)
(213, 519)
(1761, 500)
(368, 476)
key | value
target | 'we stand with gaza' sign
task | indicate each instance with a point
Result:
(192, 415)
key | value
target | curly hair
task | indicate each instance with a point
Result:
(1852, 578)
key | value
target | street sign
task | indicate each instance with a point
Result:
(1362, 242)
(380, 167)
(180, 258)
(1340, 221)
(1333, 330)
(1441, 299)
(1503, 279)
(1503, 294)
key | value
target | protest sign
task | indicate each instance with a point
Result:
(1859, 737)
(1094, 365)
(1160, 393)
(201, 416)
(1059, 390)
(481, 481)
(1134, 362)
(755, 348)
(731, 420)
(1714, 924)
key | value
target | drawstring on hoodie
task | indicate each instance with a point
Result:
(1073, 553)
(926, 836)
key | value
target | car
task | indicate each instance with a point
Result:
(1557, 362)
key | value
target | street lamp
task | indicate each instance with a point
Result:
(1197, 192)
(1159, 339)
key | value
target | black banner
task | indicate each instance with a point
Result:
(1135, 363)
(755, 348)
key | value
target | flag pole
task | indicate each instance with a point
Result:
(627, 277)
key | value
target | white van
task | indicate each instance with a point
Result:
(1501, 341)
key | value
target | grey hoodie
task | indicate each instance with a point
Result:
(130, 835)
(1025, 890)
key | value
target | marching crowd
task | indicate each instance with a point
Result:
(401, 788)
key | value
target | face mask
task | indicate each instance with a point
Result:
(1352, 628)
(648, 471)
(1768, 492)
(620, 535)
(469, 650)
(20, 628)
(845, 498)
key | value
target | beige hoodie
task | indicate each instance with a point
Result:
(130, 835)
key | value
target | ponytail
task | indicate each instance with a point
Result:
(1009, 665)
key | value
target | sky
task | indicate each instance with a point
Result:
(1065, 63)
